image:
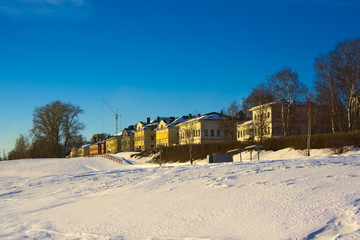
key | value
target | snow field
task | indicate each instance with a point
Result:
(95, 198)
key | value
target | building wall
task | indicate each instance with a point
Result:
(144, 138)
(203, 132)
(95, 149)
(127, 143)
(74, 152)
(245, 132)
(84, 152)
(271, 125)
(167, 137)
(190, 132)
(113, 145)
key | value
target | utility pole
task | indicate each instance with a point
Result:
(115, 113)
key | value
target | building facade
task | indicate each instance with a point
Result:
(245, 131)
(127, 141)
(167, 132)
(211, 127)
(145, 134)
(113, 144)
(267, 120)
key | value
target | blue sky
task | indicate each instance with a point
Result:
(155, 58)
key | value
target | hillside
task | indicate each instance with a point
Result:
(286, 196)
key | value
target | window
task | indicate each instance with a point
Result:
(152, 137)
(218, 132)
(212, 133)
(206, 132)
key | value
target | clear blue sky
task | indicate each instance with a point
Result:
(155, 58)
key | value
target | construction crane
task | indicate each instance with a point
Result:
(115, 113)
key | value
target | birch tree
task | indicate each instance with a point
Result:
(286, 89)
(338, 84)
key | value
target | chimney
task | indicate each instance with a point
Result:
(158, 119)
(190, 116)
(148, 120)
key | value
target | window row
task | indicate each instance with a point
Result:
(207, 133)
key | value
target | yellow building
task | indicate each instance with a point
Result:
(74, 152)
(211, 127)
(127, 141)
(245, 131)
(167, 133)
(113, 144)
(145, 135)
(84, 150)
(267, 121)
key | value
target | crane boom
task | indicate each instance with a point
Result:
(115, 113)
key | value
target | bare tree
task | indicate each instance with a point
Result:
(233, 117)
(22, 148)
(72, 126)
(338, 84)
(55, 125)
(257, 99)
(286, 89)
(258, 96)
(188, 133)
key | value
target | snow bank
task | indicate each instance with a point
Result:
(95, 198)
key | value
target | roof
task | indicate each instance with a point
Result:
(177, 121)
(289, 102)
(172, 122)
(247, 123)
(213, 116)
(155, 122)
(130, 132)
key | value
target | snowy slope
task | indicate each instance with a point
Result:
(95, 198)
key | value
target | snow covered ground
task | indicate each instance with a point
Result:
(283, 196)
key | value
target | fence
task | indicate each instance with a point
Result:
(110, 157)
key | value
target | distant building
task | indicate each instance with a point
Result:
(113, 144)
(74, 152)
(211, 127)
(245, 131)
(127, 141)
(267, 122)
(167, 132)
(99, 137)
(145, 135)
(84, 150)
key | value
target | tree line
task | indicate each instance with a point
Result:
(337, 90)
